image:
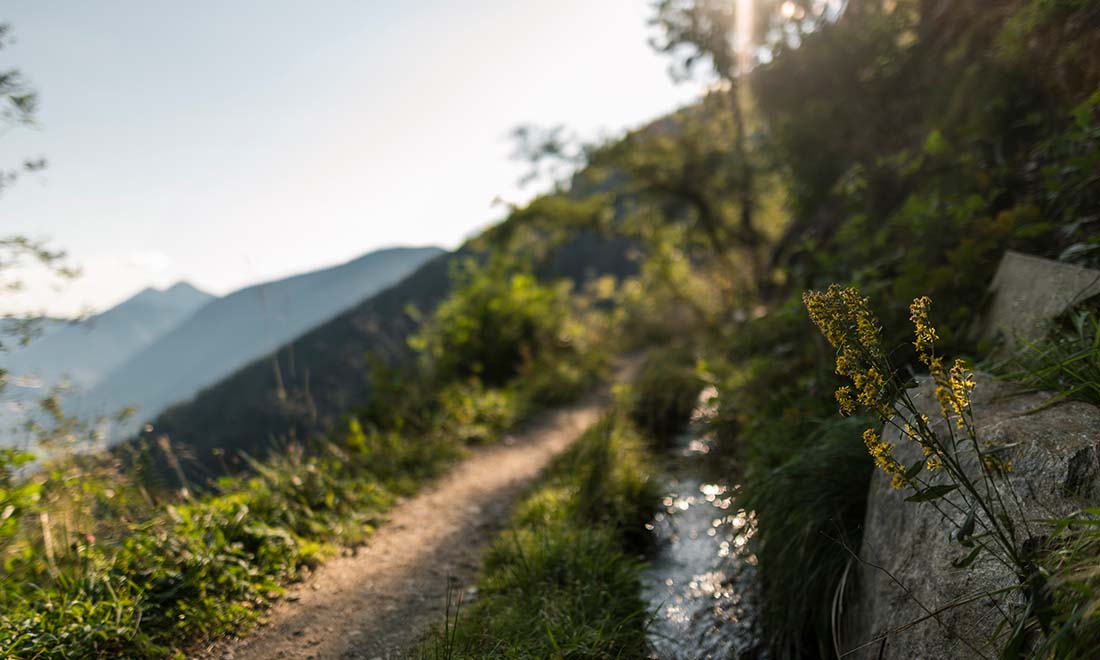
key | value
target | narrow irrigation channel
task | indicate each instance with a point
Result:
(701, 581)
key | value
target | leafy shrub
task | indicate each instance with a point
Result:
(474, 414)
(561, 379)
(497, 319)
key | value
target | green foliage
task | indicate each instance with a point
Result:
(474, 414)
(16, 495)
(1073, 570)
(502, 343)
(563, 582)
(1071, 162)
(768, 371)
(139, 582)
(665, 392)
(809, 514)
(494, 323)
(18, 105)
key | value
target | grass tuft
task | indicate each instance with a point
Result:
(807, 511)
(1066, 362)
(563, 580)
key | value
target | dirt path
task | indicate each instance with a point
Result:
(377, 602)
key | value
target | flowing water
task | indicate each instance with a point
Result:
(701, 582)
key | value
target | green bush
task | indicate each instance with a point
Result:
(498, 319)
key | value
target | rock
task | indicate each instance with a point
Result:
(1027, 292)
(1055, 457)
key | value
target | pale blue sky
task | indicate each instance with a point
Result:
(231, 142)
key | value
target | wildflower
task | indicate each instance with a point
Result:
(962, 384)
(882, 453)
(932, 459)
(867, 330)
(993, 463)
(923, 330)
(844, 398)
(845, 319)
(953, 389)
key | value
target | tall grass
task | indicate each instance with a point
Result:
(809, 514)
(563, 580)
(98, 566)
(1066, 362)
(1072, 566)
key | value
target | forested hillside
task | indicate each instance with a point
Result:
(810, 245)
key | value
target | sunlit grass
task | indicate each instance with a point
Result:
(563, 579)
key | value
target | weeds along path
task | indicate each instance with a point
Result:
(379, 601)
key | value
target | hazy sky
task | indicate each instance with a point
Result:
(227, 143)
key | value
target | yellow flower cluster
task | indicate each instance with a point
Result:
(844, 398)
(931, 454)
(883, 454)
(994, 464)
(953, 389)
(833, 311)
(845, 319)
(922, 328)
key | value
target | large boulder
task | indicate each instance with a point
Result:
(1028, 292)
(905, 574)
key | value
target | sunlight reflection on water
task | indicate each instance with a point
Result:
(701, 582)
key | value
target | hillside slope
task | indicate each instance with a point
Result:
(235, 330)
(306, 386)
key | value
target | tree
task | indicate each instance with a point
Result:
(18, 103)
(719, 33)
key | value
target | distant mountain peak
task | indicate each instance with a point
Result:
(84, 352)
(184, 286)
(180, 293)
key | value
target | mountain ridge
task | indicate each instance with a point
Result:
(231, 331)
(86, 351)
